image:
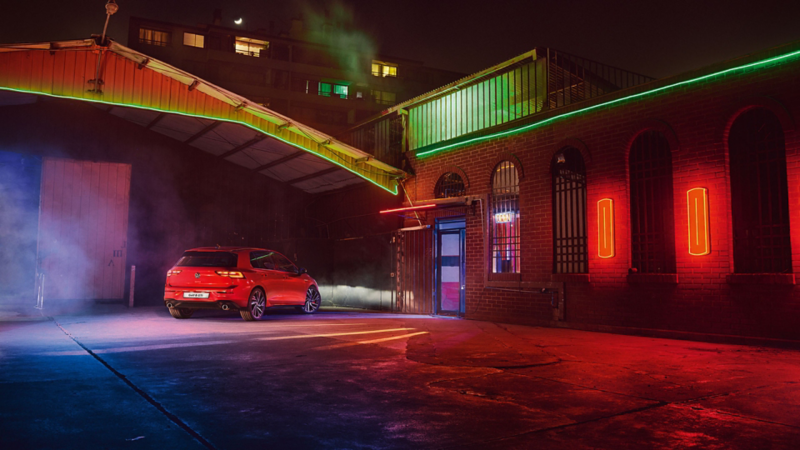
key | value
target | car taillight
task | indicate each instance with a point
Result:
(230, 274)
(173, 272)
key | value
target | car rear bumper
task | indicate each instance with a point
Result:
(225, 305)
(234, 296)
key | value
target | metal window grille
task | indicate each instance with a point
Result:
(570, 253)
(759, 194)
(652, 224)
(505, 219)
(449, 185)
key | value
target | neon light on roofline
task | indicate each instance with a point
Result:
(409, 208)
(608, 103)
(199, 116)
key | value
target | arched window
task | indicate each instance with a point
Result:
(570, 252)
(759, 194)
(652, 222)
(449, 185)
(505, 219)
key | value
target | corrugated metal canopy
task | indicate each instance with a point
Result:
(182, 106)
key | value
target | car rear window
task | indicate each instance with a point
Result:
(208, 259)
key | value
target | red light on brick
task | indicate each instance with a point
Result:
(605, 228)
(410, 208)
(697, 204)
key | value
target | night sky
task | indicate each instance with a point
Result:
(657, 37)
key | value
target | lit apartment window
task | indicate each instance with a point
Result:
(250, 47)
(335, 90)
(340, 90)
(194, 40)
(153, 37)
(325, 89)
(383, 69)
(384, 98)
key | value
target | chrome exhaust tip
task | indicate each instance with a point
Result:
(225, 307)
(169, 305)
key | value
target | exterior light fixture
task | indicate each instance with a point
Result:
(238, 21)
(605, 228)
(697, 205)
(560, 158)
(111, 8)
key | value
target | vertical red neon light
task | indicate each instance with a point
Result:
(605, 228)
(697, 204)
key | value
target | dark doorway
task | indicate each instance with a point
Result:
(450, 284)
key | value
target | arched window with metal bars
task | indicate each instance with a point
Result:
(759, 194)
(505, 240)
(652, 219)
(570, 248)
(450, 184)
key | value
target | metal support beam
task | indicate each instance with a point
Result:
(314, 175)
(202, 132)
(286, 158)
(155, 121)
(233, 151)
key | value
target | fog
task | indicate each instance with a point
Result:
(19, 212)
(335, 26)
(356, 297)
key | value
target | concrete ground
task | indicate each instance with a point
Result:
(118, 378)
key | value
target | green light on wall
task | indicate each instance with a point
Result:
(764, 62)
(494, 101)
(199, 116)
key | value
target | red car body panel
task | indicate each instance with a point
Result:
(193, 283)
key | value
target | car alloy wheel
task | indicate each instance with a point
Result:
(313, 300)
(256, 305)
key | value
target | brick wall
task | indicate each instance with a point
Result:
(696, 119)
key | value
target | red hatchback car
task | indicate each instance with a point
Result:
(248, 280)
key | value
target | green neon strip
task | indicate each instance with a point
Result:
(23, 91)
(610, 102)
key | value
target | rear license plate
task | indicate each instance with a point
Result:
(195, 295)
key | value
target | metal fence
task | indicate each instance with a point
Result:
(382, 138)
(548, 80)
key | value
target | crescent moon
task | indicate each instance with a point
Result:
(238, 21)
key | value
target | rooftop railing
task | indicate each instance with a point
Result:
(546, 80)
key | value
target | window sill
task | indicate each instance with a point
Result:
(509, 280)
(571, 278)
(653, 278)
(761, 278)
